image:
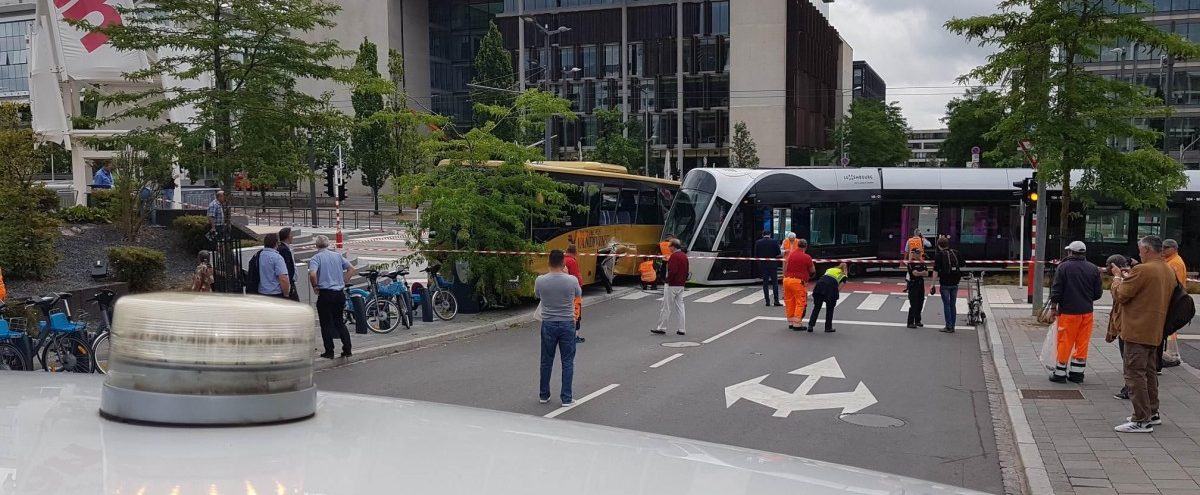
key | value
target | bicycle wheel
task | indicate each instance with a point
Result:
(12, 359)
(67, 353)
(406, 316)
(383, 316)
(445, 306)
(101, 349)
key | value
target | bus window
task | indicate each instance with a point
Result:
(684, 218)
(822, 226)
(706, 239)
(854, 224)
(608, 206)
(627, 206)
(591, 198)
(649, 212)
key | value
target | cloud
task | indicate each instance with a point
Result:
(905, 43)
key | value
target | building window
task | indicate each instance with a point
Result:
(612, 61)
(566, 60)
(637, 59)
(822, 222)
(693, 92)
(689, 56)
(602, 96)
(590, 64)
(645, 89)
(725, 55)
(709, 133)
(666, 93)
(706, 55)
(720, 18)
(718, 91)
(1107, 225)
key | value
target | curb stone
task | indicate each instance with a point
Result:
(1029, 474)
(381, 350)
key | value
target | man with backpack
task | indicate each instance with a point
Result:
(1145, 296)
(947, 267)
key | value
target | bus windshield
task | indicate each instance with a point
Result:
(686, 214)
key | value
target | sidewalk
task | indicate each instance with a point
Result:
(372, 345)
(1067, 444)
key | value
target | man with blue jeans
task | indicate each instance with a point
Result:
(947, 267)
(557, 290)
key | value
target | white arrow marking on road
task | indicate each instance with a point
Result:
(785, 404)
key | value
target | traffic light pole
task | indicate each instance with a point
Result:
(337, 200)
(1039, 238)
(312, 184)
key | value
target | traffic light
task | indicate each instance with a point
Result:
(341, 192)
(1032, 194)
(329, 177)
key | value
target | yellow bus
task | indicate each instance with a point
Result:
(624, 215)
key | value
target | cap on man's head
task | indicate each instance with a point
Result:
(1170, 244)
(1077, 247)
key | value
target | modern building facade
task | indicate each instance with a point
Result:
(1177, 81)
(925, 144)
(867, 83)
(691, 89)
(16, 21)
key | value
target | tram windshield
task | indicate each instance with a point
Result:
(686, 214)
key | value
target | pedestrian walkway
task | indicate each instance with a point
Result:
(860, 300)
(1067, 444)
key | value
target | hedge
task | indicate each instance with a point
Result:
(142, 268)
(84, 214)
(192, 230)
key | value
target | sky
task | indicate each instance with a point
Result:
(907, 45)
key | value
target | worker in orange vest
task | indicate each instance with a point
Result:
(649, 274)
(3, 291)
(664, 247)
(791, 243)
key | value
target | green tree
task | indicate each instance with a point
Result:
(970, 120)
(372, 139)
(27, 230)
(529, 111)
(252, 51)
(620, 142)
(743, 152)
(493, 69)
(875, 134)
(1069, 113)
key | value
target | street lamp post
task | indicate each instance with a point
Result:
(549, 148)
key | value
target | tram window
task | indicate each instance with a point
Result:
(706, 239)
(684, 217)
(822, 225)
(735, 236)
(649, 212)
(1107, 226)
(973, 228)
(1150, 222)
(782, 223)
(854, 224)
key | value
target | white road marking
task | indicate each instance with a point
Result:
(960, 306)
(1188, 337)
(780, 318)
(689, 292)
(841, 299)
(555, 413)
(906, 306)
(872, 282)
(998, 295)
(638, 295)
(667, 360)
(873, 302)
(750, 299)
(717, 296)
(786, 403)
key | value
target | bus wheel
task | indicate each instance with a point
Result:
(855, 270)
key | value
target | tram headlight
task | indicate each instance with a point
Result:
(209, 359)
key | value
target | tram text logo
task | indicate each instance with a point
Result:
(81, 9)
(859, 178)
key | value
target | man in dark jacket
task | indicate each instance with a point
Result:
(285, 250)
(1076, 287)
(768, 270)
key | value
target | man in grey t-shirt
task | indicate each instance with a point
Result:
(557, 291)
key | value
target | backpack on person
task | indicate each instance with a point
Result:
(1180, 311)
(953, 264)
(252, 276)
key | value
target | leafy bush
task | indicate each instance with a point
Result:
(84, 214)
(47, 200)
(142, 268)
(101, 198)
(191, 230)
(27, 235)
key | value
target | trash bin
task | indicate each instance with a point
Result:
(360, 313)
(426, 305)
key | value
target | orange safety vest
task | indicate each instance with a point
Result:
(646, 268)
(3, 291)
(790, 245)
(915, 243)
(665, 248)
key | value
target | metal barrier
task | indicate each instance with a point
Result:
(226, 252)
(351, 219)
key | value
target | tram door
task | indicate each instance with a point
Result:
(777, 221)
(924, 217)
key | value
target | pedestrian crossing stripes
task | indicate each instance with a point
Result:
(639, 295)
(857, 300)
(873, 302)
(721, 294)
(753, 298)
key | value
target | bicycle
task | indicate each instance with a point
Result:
(101, 343)
(383, 315)
(62, 345)
(398, 291)
(975, 314)
(12, 354)
(445, 305)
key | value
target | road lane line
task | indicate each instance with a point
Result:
(639, 295)
(906, 306)
(841, 300)
(739, 327)
(719, 295)
(579, 402)
(873, 302)
(667, 360)
(750, 299)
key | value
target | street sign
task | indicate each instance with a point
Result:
(845, 161)
(975, 150)
(785, 403)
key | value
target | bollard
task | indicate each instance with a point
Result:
(360, 313)
(426, 304)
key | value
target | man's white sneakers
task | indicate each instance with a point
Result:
(1134, 427)
(1155, 420)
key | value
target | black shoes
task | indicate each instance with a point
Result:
(580, 340)
(327, 355)
(658, 332)
(800, 328)
(912, 325)
(1122, 395)
(777, 304)
(1075, 377)
(828, 330)
(946, 330)
(346, 354)
(919, 325)
(680, 332)
(1058, 379)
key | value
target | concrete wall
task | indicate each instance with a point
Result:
(845, 78)
(758, 64)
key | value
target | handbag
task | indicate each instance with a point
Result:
(1046, 316)
(1049, 354)
(537, 313)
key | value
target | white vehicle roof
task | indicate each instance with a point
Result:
(53, 441)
